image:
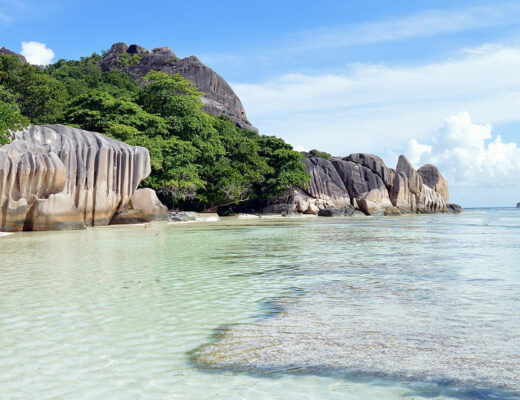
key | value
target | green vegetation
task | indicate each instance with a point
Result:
(322, 154)
(10, 116)
(198, 161)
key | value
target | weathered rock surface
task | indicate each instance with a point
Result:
(409, 194)
(432, 178)
(27, 173)
(364, 186)
(374, 163)
(102, 173)
(55, 177)
(219, 98)
(55, 213)
(325, 183)
(454, 208)
(8, 52)
(144, 206)
(364, 182)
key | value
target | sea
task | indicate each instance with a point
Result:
(410, 307)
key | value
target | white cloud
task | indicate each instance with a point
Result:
(374, 108)
(467, 154)
(423, 24)
(37, 53)
(416, 151)
(299, 147)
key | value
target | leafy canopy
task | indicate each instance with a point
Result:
(198, 160)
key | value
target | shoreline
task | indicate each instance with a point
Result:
(209, 218)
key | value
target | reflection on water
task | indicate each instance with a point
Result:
(411, 307)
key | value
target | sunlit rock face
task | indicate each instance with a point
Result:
(364, 182)
(102, 173)
(56, 177)
(30, 177)
(144, 206)
(432, 178)
(218, 97)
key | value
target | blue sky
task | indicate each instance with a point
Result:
(436, 80)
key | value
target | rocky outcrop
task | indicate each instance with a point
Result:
(54, 213)
(517, 205)
(409, 194)
(219, 98)
(56, 177)
(8, 52)
(373, 163)
(102, 173)
(366, 188)
(432, 178)
(144, 206)
(325, 183)
(30, 180)
(454, 208)
(363, 182)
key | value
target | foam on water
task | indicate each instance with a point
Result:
(366, 308)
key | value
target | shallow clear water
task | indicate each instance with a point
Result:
(358, 308)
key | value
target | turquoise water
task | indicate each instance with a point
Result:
(419, 307)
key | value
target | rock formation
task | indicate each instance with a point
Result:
(219, 98)
(57, 177)
(30, 180)
(22, 59)
(363, 182)
(144, 206)
(432, 178)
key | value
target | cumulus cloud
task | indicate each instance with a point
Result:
(375, 107)
(468, 155)
(416, 151)
(37, 53)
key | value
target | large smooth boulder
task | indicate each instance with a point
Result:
(325, 184)
(454, 208)
(27, 173)
(54, 213)
(363, 185)
(432, 178)
(405, 168)
(375, 164)
(409, 194)
(144, 206)
(102, 174)
(218, 98)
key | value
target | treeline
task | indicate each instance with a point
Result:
(198, 161)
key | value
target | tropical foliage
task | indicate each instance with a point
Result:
(198, 160)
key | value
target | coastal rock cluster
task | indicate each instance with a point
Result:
(363, 182)
(56, 177)
(219, 98)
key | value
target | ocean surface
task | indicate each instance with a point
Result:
(417, 307)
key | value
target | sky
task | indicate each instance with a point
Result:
(438, 81)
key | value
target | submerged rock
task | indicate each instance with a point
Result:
(331, 212)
